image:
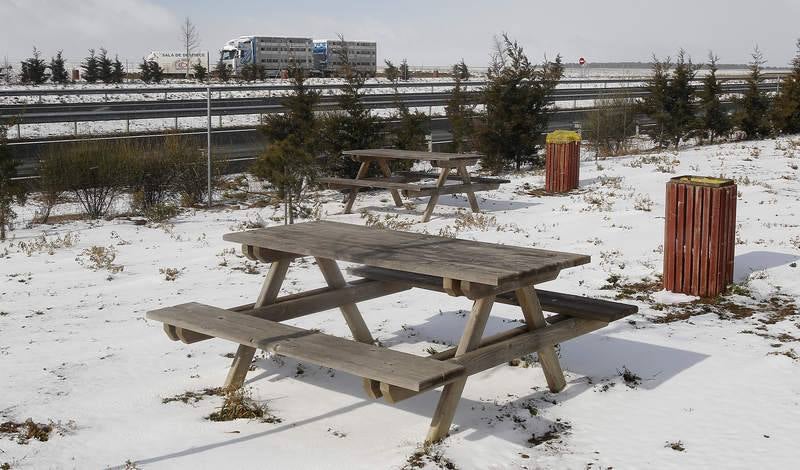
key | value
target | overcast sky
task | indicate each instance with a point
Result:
(431, 32)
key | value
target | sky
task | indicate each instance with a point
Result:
(432, 32)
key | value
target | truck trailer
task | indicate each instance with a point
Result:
(272, 53)
(276, 54)
(175, 63)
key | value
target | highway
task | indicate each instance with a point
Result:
(173, 108)
(243, 144)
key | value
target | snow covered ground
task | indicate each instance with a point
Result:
(709, 385)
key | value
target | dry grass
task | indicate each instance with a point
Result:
(194, 397)
(643, 203)
(170, 274)
(676, 446)
(43, 244)
(99, 258)
(388, 221)
(239, 404)
(429, 454)
(553, 433)
(27, 430)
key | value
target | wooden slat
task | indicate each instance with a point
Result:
(306, 303)
(364, 360)
(244, 354)
(532, 310)
(680, 229)
(372, 183)
(411, 155)
(473, 201)
(670, 237)
(351, 313)
(697, 237)
(434, 194)
(731, 254)
(716, 220)
(418, 175)
(448, 401)
(458, 189)
(485, 263)
(387, 172)
(687, 239)
(705, 244)
(556, 302)
(487, 357)
(516, 340)
(363, 170)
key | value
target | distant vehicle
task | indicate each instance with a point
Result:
(175, 63)
(362, 55)
(277, 54)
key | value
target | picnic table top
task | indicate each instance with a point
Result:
(465, 260)
(412, 155)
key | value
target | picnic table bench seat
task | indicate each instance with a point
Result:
(555, 302)
(420, 190)
(364, 360)
(420, 175)
(373, 183)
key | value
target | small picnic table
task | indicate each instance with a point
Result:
(388, 262)
(407, 181)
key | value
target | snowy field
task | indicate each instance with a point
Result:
(682, 384)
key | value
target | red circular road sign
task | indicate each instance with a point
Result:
(582, 61)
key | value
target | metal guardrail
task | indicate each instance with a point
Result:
(174, 109)
(156, 89)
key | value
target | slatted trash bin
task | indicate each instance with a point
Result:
(700, 235)
(562, 161)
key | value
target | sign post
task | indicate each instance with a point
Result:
(208, 143)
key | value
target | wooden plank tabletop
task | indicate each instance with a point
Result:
(412, 155)
(465, 260)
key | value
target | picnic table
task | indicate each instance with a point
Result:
(407, 182)
(387, 262)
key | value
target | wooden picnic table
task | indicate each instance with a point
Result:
(388, 262)
(407, 181)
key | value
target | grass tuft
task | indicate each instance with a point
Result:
(239, 404)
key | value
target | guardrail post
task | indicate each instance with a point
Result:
(127, 126)
(76, 128)
(19, 132)
(176, 123)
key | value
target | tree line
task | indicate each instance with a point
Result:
(681, 110)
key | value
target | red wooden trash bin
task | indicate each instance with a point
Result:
(562, 163)
(700, 235)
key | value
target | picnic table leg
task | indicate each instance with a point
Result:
(473, 201)
(532, 310)
(358, 327)
(269, 292)
(445, 172)
(448, 401)
(388, 173)
(362, 173)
